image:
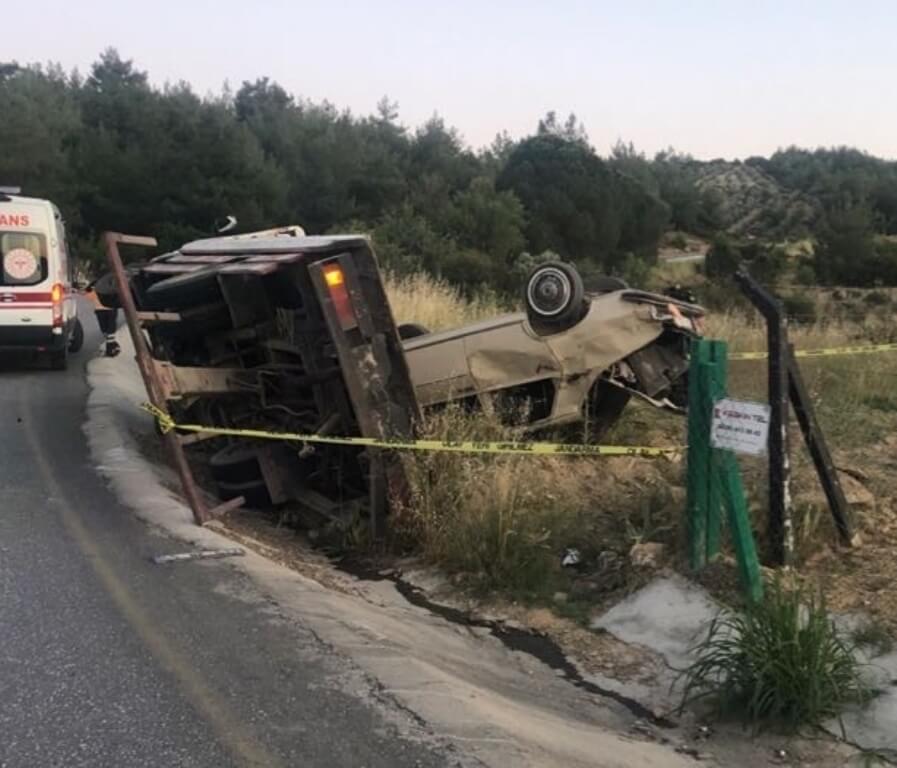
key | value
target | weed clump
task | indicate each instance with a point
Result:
(500, 520)
(780, 662)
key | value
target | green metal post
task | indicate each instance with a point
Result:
(717, 379)
(698, 454)
(740, 524)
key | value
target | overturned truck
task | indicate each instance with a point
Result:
(282, 332)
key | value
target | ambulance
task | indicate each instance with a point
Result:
(38, 310)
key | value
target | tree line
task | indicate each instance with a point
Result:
(116, 153)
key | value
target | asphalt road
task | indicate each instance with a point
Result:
(107, 659)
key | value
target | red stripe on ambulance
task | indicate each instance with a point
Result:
(25, 297)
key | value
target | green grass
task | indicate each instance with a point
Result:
(880, 402)
(781, 662)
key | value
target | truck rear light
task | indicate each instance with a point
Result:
(57, 294)
(339, 295)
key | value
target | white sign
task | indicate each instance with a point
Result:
(740, 426)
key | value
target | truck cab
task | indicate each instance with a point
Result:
(37, 302)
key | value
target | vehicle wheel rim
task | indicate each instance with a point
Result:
(548, 292)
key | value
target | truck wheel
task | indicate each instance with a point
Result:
(182, 291)
(255, 493)
(197, 322)
(235, 464)
(76, 340)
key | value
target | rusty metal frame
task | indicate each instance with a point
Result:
(154, 387)
(183, 381)
(374, 370)
(780, 525)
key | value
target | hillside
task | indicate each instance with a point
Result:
(752, 203)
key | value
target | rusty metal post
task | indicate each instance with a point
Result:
(816, 445)
(781, 530)
(151, 381)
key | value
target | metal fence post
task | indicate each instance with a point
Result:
(780, 528)
(713, 478)
(698, 469)
(740, 526)
(716, 381)
(816, 445)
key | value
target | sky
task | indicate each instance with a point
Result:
(724, 79)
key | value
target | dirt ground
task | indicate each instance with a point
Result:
(861, 579)
(594, 653)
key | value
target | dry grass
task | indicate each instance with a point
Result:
(504, 521)
(747, 333)
(501, 520)
(853, 395)
(435, 304)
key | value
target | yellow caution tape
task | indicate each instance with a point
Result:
(864, 349)
(166, 424)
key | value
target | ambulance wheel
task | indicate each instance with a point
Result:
(76, 340)
(59, 359)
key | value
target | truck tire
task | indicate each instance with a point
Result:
(255, 493)
(182, 291)
(235, 463)
(198, 322)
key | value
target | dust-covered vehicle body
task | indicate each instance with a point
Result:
(620, 343)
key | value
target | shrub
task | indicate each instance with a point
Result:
(877, 299)
(635, 271)
(722, 258)
(722, 296)
(781, 661)
(678, 241)
(805, 274)
(800, 307)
